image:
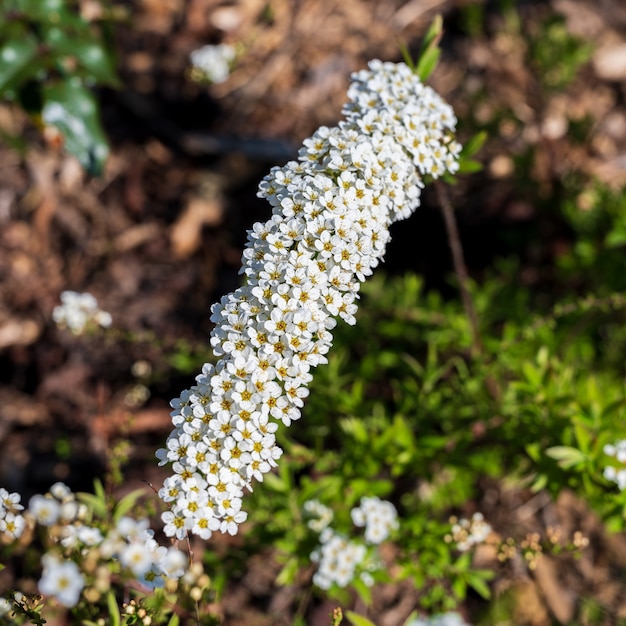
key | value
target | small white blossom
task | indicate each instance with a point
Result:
(213, 63)
(137, 558)
(77, 311)
(12, 525)
(46, 511)
(466, 533)
(5, 606)
(61, 492)
(61, 580)
(9, 502)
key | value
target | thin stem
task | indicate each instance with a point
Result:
(460, 268)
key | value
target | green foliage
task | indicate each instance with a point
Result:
(50, 59)
(557, 55)
(404, 412)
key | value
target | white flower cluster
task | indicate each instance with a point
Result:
(443, 619)
(331, 215)
(378, 516)
(337, 560)
(212, 63)
(340, 559)
(614, 474)
(467, 533)
(78, 310)
(131, 542)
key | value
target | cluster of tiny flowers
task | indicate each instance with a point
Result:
(443, 619)
(332, 209)
(339, 560)
(130, 541)
(614, 474)
(212, 63)
(77, 311)
(467, 533)
(378, 516)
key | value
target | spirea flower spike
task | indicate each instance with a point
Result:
(332, 209)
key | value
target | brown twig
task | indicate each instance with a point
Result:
(460, 268)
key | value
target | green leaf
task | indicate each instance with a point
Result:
(406, 55)
(114, 610)
(534, 451)
(363, 591)
(539, 483)
(98, 488)
(583, 437)
(566, 456)
(474, 144)
(174, 620)
(71, 108)
(433, 34)
(427, 63)
(615, 239)
(127, 503)
(430, 52)
(17, 63)
(477, 580)
(274, 483)
(459, 587)
(94, 504)
(469, 166)
(288, 574)
(358, 620)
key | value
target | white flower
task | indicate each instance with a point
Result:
(76, 312)
(213, 63)
(174, 563)
(443, 619)
(175, 525)
(467, 533)
(9, 502)
(5, 606)
(12, 525)
(46, 511)
(137, 558)
(61, 492)
(61, 580)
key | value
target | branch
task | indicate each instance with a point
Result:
(460, 268)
